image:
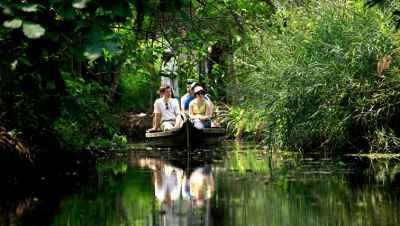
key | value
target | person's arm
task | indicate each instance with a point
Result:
(157, 121)
(177, 108)
(156, 117)
(209, 110)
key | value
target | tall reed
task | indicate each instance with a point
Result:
(324, 75)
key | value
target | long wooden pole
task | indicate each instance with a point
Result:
(187, 135)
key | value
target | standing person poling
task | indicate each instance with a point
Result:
(166, 111)
(200, 109)
(169, 71)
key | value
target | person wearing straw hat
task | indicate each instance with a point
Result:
(200, 109)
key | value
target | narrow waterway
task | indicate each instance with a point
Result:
(233, 185)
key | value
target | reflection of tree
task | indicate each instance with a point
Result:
(305, 190)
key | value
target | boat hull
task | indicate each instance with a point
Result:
(178, 138)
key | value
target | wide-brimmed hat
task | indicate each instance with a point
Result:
(197, 89)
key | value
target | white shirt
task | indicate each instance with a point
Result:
(160, 106)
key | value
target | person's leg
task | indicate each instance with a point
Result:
(207, 124)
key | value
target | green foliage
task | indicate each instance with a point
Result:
(384, 140)
(306, 72)
(137, 92)
(70, 135)
(314, 75)
(41, 42)
(245, 123)
(139, 76)
(86, 114)
(392, 6)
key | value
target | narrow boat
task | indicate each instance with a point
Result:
(186, 135)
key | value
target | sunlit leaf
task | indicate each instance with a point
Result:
(13, 24)
(32, 30)
(80, 4)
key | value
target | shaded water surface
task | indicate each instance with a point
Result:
(232, 186)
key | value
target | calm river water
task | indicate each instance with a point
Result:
(234, 185)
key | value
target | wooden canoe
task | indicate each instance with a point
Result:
(178, 138)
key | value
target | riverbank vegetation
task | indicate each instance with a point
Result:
(325, 75)
(299, 75)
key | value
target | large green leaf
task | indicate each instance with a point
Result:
(32, 30)
(13, 24)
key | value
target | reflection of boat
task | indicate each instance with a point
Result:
(178, 138)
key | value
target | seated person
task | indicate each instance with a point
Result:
(166, 111)
(200, 109)
(185, 100)
(189, 96)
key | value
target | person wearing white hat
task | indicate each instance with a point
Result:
(200, 109)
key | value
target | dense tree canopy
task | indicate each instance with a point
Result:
(68, 67)
(62, 61)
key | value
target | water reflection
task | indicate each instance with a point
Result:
(249, 187)
(181, 193)
(201, 186)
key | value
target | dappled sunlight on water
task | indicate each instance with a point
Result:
(232, 186)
